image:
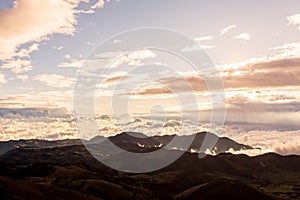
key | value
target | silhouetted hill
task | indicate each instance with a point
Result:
(70, 172)
(66, 170)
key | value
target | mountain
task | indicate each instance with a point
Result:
(70, 172)
(66, 170)
(135, 142)
(33, 143)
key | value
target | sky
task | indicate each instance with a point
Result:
(254, 47)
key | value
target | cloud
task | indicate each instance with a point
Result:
(197, 48)
(29, 113)
(23, 78)
(243, 36)
(89, 43)
(34, 21)
(153, 90)
(58, 47)
(135, 57)
(206, 47)
(288, 50)
(2, 79)
(294, 20)
(275, 73)
(18, 65)
(117, 41)
(169, 85)
(54, 80)
(98, 4)
(91, 10)
(226, 29)
(50, 129)
(48, 99)
(192, 48)
(205, 38)
(26, 52)
(74, 63)
(31, 20)
(282, 142)
(115, 79)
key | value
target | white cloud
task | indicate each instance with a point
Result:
(23, 78)
(67, 56)
(117, 41)
(205, 38)
(2, 79)
(133, 58)
(288, 50)
(192, 48)
(26, 52)
(58, 47)
(17, 65)
(98, 4)
(197, 48)
(74, 63)
(226, 29)
(282, 142)
(243, 36)
(56, 129)
(294, 20)
(91, 10)
(54, 80)
(206, 47)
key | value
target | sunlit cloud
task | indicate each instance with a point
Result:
(227, 29)
(294, 20)
(243, 36)
(54, 80)
(32, 21)
(34, 99)
(2, 79)
(117, 41)
(23, 78)
(18, 65)
(204, 38)
(74, 63)
(42, 19)
(133, 58)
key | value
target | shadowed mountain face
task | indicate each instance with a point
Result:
(70, 172)
(137, 142)
(129, 141)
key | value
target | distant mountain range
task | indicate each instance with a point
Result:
(35, 169)
(132, 141)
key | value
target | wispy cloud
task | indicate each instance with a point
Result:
(54, 80)
(205, 38)
(74, 63)
(226, 29)
(243, 36)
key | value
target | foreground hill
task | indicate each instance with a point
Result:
(70, 172)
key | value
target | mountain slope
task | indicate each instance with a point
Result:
(72, 169)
